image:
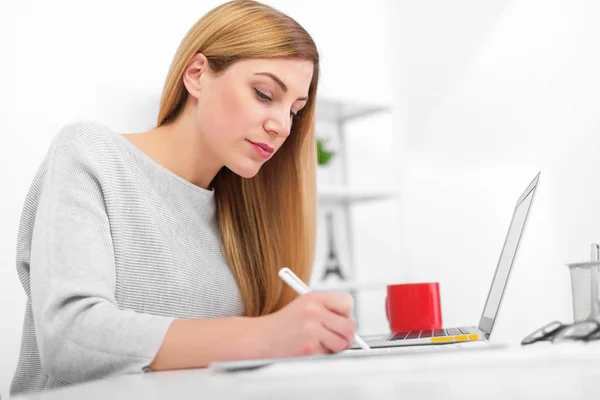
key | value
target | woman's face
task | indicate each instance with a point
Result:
(246, 113)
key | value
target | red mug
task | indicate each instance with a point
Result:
(413, 306)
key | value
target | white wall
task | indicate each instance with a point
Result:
(67, 60)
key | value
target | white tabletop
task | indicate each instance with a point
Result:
(559, 371)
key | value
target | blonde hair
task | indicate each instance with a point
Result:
(266, 222)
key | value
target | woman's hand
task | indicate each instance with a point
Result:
(314, 323)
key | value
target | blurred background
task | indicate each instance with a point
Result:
(455, 106)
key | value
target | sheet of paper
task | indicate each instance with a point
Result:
(354, 354)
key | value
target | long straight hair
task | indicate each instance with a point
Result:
(266, 222)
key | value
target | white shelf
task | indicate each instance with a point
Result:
(347, 285)
(338, 111)
(341, 194)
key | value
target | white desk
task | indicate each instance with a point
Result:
(561, 371)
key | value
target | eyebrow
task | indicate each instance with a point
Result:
(279, 82)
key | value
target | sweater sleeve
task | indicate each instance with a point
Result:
(80, 331)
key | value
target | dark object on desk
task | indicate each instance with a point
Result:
(556, 331)
(332, 265)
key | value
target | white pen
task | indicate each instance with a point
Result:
(300, 287)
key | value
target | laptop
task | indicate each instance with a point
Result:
(426, 340)
(482, 331)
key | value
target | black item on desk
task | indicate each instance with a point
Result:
(556, 331)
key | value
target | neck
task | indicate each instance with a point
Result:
(179, 147)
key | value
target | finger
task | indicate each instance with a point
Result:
(323, 349)
(340, 325)
(340, 303)
(332, 341)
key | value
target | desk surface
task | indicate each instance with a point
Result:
(560, 371)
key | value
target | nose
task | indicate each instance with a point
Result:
(279, 123)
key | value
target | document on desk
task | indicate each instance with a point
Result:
(245, 365)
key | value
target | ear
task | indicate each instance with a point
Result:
(194, 76)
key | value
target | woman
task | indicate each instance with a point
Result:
(160, 250)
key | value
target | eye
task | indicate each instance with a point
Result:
(262, 96)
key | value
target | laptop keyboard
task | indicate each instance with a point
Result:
(433, 333)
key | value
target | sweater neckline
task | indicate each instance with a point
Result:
(149, 160)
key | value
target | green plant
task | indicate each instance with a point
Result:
(323, 156)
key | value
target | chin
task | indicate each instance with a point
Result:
(246, 170)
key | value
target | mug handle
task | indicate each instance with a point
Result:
(387, 309)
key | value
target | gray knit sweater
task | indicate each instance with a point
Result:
(111, 248)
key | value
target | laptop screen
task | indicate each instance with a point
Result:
(507, 257)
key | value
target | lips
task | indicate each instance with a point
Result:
(263, 146)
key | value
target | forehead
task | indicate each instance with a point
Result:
(295, 73)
